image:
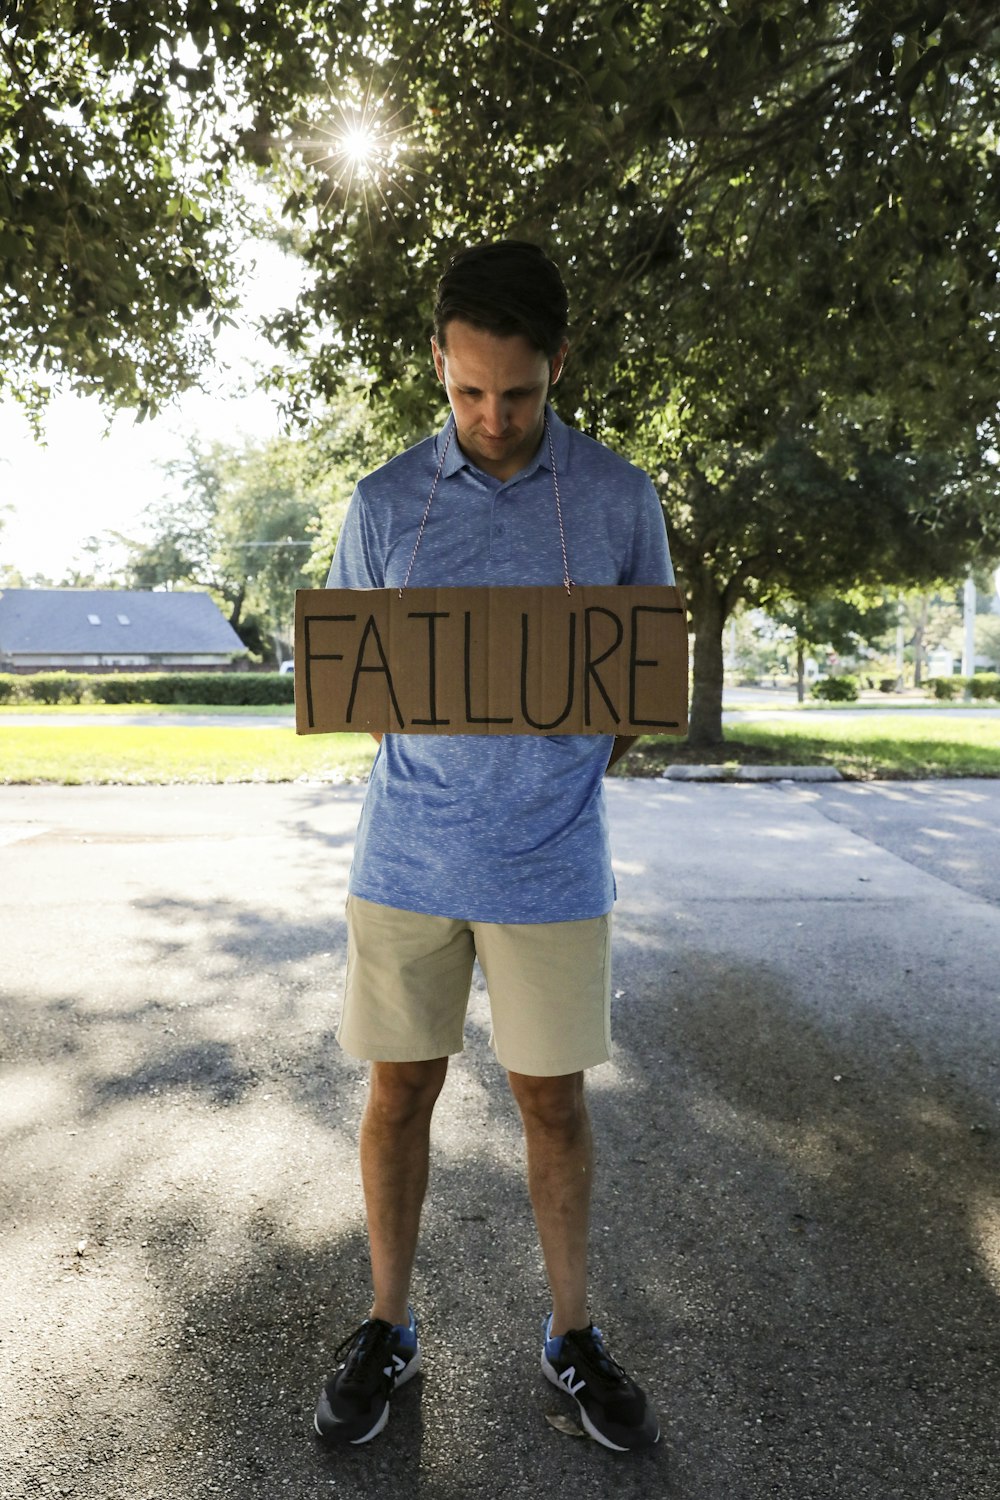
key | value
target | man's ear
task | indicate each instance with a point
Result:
(438, 359)
(559, 362)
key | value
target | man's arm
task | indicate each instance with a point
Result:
(622, 745)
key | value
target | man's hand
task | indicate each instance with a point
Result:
(622, 745)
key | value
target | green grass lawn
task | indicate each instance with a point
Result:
(877, 746)
(155, 754)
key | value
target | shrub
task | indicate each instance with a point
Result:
(984, 686)
(54, 687)
(888, 684)
(836, 689)
(243, 689)
(237, 689)
(944, 687)
(124, 687)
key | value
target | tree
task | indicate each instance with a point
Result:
(131, 135)
(778, 222)
(253, 523)
(841, 624)
(686, 140)
(792, 522)
(240, 530)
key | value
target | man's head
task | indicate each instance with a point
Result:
(505, 288)
(499, 343)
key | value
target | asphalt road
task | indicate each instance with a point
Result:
(797, 1220)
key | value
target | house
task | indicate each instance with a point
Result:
(100, 630)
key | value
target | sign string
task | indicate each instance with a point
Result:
(451, 428)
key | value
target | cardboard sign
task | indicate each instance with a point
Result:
(610, 660)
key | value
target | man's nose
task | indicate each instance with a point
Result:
(496, 415)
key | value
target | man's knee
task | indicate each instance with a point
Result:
(555, 1106)
(400, 1093)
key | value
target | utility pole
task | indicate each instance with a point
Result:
(969, 647)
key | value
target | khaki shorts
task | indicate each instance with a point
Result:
(409, 976)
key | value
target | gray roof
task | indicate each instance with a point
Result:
(131, 620)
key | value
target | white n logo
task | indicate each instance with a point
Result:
(567, 1377)
(400, 1364)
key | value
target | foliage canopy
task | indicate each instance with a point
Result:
(778, 222)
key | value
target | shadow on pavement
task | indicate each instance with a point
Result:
(796, 1238)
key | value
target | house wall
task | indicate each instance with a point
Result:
(24, 665)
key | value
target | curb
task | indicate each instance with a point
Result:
(751, 773)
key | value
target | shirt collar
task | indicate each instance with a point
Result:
(455, 459)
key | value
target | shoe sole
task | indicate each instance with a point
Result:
(373, 1432)
(599, 1437)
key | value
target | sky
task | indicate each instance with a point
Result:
(87, 478)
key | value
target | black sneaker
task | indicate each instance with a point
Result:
(354, 1404)
(612, 1407)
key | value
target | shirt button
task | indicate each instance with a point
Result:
(499, 530)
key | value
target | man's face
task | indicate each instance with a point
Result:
(497, 389)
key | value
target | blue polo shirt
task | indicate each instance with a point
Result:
(495, 828)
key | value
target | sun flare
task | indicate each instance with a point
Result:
(359, 150)
(359, 143)
(348, 146)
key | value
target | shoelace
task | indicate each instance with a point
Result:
(369, 1347)
(593, 1351)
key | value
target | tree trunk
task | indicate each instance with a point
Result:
(237, 609)
(800, 670)
(709, 617)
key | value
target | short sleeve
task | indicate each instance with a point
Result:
(649, 561)
(356, 564)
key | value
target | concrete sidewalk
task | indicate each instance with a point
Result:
(797, 1220)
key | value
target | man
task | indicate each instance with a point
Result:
(489, 846)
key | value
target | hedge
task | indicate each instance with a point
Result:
(945, 688)
(53, 687)
(235, 689)
(985, 685)
(836, 689)
(982, 688)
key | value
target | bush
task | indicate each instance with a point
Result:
(234, 689)
(243, 689)
(836, 689)
(125, 687)
(888, 684)
(944, 687)
(984, 686)
(54, 687)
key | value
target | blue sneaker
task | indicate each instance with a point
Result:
(613, 1409)
(354, 1403)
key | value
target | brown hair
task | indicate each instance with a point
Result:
(506, 287)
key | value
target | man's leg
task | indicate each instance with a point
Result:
(560, 1168)
(395, 1153)
(613, 1409)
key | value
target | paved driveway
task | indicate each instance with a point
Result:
(797, 1224)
